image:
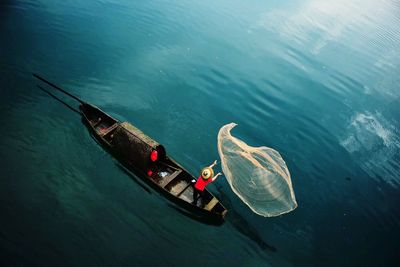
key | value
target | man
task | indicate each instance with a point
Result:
(206, 177)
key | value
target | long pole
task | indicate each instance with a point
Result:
(58, 99)
(58, 88)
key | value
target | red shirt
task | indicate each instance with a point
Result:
(201, 183)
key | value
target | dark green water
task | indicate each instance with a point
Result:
(316, 80)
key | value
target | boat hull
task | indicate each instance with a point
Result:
(139, 165)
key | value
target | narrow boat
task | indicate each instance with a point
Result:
(147, 159)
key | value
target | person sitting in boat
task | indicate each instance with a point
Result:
(206, 177)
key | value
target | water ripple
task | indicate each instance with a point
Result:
(317, 80)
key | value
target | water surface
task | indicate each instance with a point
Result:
(315, 80)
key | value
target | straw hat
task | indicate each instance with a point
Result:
(207, 173)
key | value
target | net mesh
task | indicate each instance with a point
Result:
(258, 175)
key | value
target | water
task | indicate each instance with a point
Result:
(315, 80)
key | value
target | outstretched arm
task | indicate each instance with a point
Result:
(216, 176)
(214, 163)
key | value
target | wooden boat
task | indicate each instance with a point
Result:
(147, 159)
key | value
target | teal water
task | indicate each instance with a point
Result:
(316, 80)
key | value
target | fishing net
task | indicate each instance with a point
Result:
(258, 175)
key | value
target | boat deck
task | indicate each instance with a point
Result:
(165, 173)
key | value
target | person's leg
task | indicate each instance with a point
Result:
(195, 196)
(201, 193)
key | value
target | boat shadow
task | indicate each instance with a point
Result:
(242, 225)
(204, 220)
(237, 220)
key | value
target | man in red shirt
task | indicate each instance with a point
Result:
(203, 180)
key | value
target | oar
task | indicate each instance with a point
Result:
(68, 106)
(58, 88)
